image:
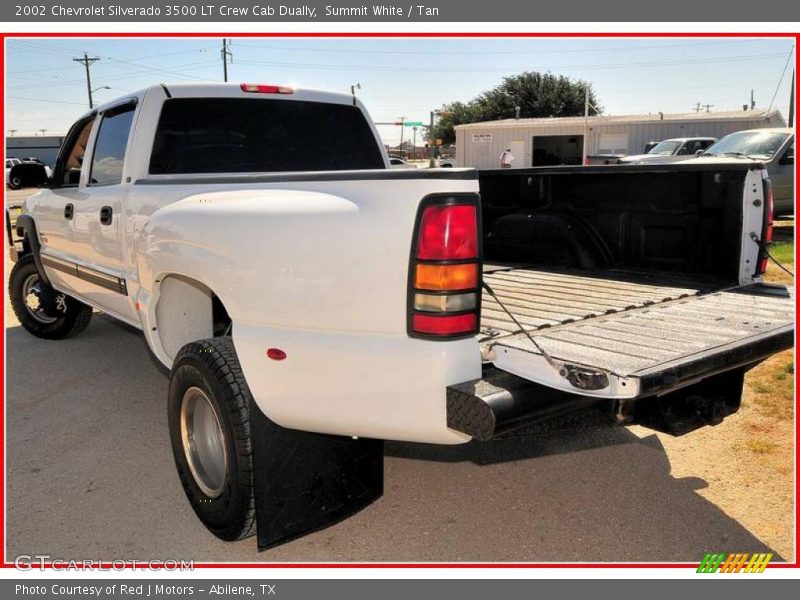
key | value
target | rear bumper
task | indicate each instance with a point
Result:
(500, 402)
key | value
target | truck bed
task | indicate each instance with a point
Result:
(647, 331)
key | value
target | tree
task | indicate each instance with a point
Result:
(536, 94)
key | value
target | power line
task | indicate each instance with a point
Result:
(496, 52)
(44, 100)
(778, 87)
(431, 69)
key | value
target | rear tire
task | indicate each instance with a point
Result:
(41, 310)
(209, 424)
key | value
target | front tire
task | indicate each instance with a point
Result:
(41, 310)
(209, 426)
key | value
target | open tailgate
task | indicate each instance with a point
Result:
(637, 341)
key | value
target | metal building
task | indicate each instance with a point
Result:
(43, 147)
(550, 141)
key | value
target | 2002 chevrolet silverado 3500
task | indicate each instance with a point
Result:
(310, 302)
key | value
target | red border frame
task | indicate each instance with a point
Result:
(261, 565)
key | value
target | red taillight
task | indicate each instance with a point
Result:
(767, 229)
(448, 232)
(258, 88)
(444, 299)
(445, 325)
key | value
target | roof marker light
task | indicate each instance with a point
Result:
(258, 88)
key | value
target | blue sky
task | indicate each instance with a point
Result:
(45, 89)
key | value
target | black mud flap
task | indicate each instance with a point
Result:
(305, 482)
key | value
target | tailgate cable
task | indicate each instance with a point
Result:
(763, 247)
(579, 377)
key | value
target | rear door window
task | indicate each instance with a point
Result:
(241, 135)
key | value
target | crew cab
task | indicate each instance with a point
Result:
(310, 301)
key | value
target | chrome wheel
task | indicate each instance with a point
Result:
(203, 442)
(32, 296)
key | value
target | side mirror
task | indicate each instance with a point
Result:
(699, 152)
(27, 175)
(788, 158)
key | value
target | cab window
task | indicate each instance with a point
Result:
(69, 171)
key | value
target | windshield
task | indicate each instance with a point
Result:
(749, 144)
(665, 148)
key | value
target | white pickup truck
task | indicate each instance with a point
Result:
(310, 302)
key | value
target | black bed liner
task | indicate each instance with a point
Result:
(660, 330)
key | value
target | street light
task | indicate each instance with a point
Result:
(92, 91)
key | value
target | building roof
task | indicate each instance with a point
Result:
(734, 115)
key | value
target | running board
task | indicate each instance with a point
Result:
(304, 482)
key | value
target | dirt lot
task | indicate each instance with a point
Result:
(90, 475)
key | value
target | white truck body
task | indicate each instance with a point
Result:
(295, 285)
(313, 263)
(275, 254)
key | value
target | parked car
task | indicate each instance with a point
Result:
(774, 148)
(672, 150)
(11, 163)
(396, 162)
(310, 301)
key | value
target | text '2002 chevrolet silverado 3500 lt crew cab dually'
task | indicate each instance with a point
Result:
(310, 302)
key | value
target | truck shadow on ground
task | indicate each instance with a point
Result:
(90, 474)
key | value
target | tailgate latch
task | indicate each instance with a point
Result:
(583, 378)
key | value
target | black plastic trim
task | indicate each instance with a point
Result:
(98, 278)
(166, 90)
(643, 168)
(26, 228)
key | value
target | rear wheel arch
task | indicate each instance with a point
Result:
(187, 310)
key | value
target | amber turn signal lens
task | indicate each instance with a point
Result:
(446, 277)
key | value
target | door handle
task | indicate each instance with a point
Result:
(69, 210)
(106, 215)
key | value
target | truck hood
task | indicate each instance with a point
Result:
(642, 158)
(720, 160)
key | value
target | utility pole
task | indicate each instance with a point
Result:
(12, 132)
(402, 131)
(697, 107)
(87, 62)
(791, 102)
(414, 150)
(585, 160)
(225, 54)
(752, 100)
(431, 159)
(708, 107)
(43, 131)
